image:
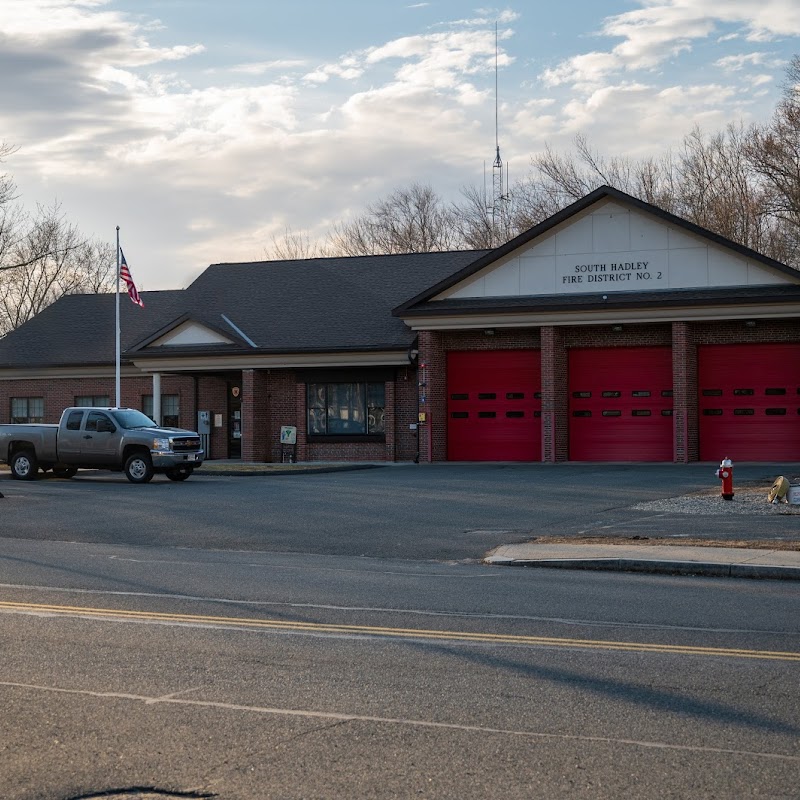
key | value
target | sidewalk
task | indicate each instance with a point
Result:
(733, 562)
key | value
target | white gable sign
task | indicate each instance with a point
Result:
(615, 249)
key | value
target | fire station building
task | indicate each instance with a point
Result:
(611, 332)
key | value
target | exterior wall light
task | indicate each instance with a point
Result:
(750, 323)
(616, 328)
(489, 331)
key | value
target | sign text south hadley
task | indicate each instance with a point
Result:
(614, 272)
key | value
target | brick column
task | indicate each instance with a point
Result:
(432, 396)
(255, 415)
(302, 422)
(389, 421)
(684, 393)
(555, 399)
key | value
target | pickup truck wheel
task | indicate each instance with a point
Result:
(139, 468)
(65, 472)
(179, 473)
(24, 465)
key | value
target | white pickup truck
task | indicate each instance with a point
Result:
(120, 439)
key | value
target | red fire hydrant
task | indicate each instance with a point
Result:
(725, 474)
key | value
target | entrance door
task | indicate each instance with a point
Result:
(620, 404)
(234, 420)
(494, 406)
(749, 402)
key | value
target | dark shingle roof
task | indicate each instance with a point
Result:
(313, 305)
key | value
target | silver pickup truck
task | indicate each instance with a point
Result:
(120, 439)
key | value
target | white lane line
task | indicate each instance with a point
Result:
(414, 723)
(402, 611)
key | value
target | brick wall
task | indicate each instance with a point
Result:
(213, 396)
(60, 393)
(405, 414)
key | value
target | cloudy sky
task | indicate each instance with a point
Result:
(203, 128)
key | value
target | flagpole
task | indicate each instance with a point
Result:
(116, 373)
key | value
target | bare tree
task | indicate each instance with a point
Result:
(51, 260)
(409, 220)
(43, 256)
(473, 218)
(774, 151)
(293, 245)
(710, 181)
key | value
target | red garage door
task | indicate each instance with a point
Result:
(494, 406)
(749, 400)
(620, 404)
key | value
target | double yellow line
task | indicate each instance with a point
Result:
(393, 633)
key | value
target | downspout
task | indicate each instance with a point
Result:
(413, 354)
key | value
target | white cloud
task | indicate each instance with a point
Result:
(663, 28)
(262, 67)
(212, 170)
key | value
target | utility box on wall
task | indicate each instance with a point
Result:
(204, 429)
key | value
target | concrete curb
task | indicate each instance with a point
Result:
(705, 569)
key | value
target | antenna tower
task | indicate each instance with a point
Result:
(501, 198)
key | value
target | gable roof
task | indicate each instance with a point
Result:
(418, 305)
(311, 305)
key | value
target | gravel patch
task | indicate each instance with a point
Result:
(748, 499)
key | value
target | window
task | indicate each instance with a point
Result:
(97, 421)
(93, 400)
(346, 409)
(170, 409)
(27, 409)
(74, 420)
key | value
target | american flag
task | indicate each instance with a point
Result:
(125, 274)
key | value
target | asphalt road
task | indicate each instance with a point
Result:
(330, 636)
(439, 512)
(253, 675)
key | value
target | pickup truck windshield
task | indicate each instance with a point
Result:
(130, 418)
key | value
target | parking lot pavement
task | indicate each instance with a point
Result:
(418, 512)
